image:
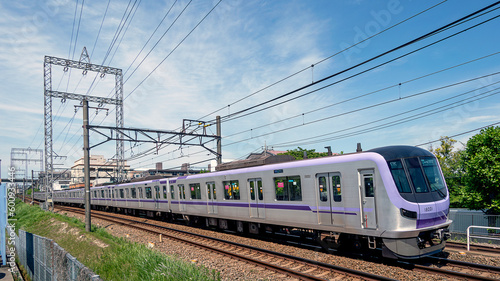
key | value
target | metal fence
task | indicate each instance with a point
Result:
(45, 260)
(463, 218)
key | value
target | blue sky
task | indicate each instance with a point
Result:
(240, 48)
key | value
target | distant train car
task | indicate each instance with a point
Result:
(392, 199)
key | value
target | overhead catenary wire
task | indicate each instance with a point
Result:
(379, 104)
(408, 43)
(365, 95)
(413, 41)
(393, 123)
(323, 60)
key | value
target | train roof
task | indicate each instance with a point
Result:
(400, 151)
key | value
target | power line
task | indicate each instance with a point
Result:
(460, 134)
(379, 104)
(427, 35)
(367, 94)
(323, 60)
(393, 123)
(173, 50)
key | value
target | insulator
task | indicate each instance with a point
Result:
(66, 69)
(84, 72)
(103, 74)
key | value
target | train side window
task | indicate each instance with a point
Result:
(182, 192)
(149, 194)
(164, 192)
(133, 192)
(157, 192)
(337, 189)
(369, 190)
(195, 190)
(122, 195)
(172, 192)
(231, 190)
(252, 190)
(323, 189)
(127, 193)
(288, 188)
(141, 195)
(102, 193)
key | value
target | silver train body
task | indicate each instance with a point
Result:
(392, 199)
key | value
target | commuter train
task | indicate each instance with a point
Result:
(392, 199)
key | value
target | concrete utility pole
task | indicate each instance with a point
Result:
(32, 188)
(86, 163)
(219, 143)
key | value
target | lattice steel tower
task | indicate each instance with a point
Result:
(85, 65)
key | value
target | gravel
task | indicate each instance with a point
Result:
(236, 270)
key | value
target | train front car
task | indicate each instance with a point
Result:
(416, 187)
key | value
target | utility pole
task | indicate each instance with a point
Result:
(219, 143)
(86, 163)
(32, 188)
(24, 188)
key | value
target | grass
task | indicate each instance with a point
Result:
(111, 257)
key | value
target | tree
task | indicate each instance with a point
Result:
(452, 166)
(482, 171)
(299, 153)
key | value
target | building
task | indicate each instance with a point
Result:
(159, 172)
(257, 159)
(101, 171)
(61, 179)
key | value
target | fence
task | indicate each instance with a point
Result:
(44, 260)
(463, 218)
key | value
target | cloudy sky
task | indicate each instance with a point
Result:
(281, 74)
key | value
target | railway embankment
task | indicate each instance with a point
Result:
(111, 257)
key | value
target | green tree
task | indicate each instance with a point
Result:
(451, 164)
(299, 153)
(482, 171)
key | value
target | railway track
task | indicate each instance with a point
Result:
(288, 265)
(297, 267)
(455, 269)
(479, 248)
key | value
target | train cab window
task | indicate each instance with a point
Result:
(172, 192)
(231, 190)
(164, 192)
(433, 176)
(416, 175)
(149, 194)
(122, 195)
(195, 190)
(141, 195)
(182, 192)
(337, 189)
(399, 176)
(133, 192)
(288, 188)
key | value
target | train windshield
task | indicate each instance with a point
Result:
(418, 179)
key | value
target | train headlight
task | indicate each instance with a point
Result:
(408, 214)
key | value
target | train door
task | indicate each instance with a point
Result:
(368, 207)
(257, 209)
(212, 198)
(330, 204)
(157, 197)
(182, 197)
